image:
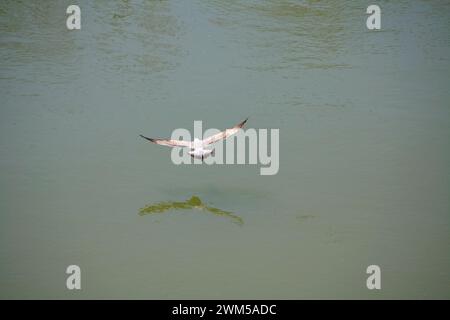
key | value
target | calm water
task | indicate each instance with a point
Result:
(364, 149)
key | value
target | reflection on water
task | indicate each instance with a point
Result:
(290, 34)
(193, 203)
(137, 37)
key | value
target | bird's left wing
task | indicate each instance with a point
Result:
(224, 134)
(169, 142)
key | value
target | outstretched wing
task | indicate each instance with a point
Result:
(224, 134)
(169, 143)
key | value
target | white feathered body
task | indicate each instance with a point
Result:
(198, 151)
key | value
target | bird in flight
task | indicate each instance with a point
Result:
(198, 148)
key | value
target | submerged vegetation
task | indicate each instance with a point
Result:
(193, 203)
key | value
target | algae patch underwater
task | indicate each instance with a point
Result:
(193, 203)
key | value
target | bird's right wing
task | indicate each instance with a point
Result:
(224, 134)
(169, 142)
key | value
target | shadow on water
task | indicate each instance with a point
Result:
(193, 203)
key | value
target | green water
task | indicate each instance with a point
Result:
(364, 149)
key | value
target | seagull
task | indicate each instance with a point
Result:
(198, 148)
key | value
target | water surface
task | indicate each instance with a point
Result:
(364, 149)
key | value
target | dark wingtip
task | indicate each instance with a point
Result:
(149, 139)
(240, 125)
